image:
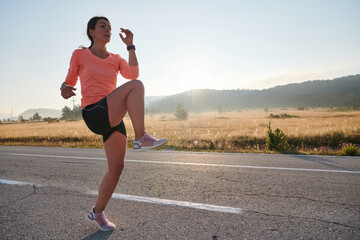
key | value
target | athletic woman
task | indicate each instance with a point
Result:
(104, 105)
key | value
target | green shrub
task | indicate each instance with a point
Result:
(276, 140)
(181, 113)
(350, 150)
(51, 120)
(212, 146)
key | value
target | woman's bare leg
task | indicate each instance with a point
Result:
(115, 149)
(128, 97)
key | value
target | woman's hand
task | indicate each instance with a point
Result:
(128, 39)
(67, 91)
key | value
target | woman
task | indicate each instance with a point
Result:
(104, 106)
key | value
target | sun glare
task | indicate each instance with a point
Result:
(199, 73)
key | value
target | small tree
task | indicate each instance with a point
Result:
(66, 113)
(21, 119)
(276, 140)
(36, 116)
(77, 112)
(181, 112)
(220, 109)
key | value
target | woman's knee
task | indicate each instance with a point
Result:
(138, 84)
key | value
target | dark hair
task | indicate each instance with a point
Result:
(91, 25)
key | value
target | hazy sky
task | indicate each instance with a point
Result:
(181, 45)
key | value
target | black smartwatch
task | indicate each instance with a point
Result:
(130, 47)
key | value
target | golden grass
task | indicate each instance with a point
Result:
(212, 126)
(203, 127)
(44, 129)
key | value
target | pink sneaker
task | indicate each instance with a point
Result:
(100, 221)
(147, 142)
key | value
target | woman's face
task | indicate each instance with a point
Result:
(102, 31)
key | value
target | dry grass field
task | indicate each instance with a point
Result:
(311, 131)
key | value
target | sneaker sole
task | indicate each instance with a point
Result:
(94, 222)
(148, 148)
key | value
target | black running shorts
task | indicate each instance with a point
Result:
(96, 118)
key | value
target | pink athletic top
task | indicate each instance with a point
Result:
(98, 76)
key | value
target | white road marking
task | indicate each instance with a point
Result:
(208, 207)
(10, 182)
(251, 167)
(194, 164)
(55, 156)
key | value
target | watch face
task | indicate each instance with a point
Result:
(131, 47)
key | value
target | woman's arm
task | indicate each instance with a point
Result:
(132, 58)
(128, 40)
(67, 87)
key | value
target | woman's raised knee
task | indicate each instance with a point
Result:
(138, 84)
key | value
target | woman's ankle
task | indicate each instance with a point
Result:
(97, 211)
(139, 136)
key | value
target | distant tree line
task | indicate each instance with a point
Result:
(66, 114)
(338, 93)
(71, 114)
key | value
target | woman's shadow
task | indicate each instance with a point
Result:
(98, 235)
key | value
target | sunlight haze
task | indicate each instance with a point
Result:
(180, 45)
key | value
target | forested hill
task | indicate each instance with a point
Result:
(339, 92)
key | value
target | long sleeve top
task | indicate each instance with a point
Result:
(98, 77)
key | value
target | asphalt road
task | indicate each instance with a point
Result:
(176, 195)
